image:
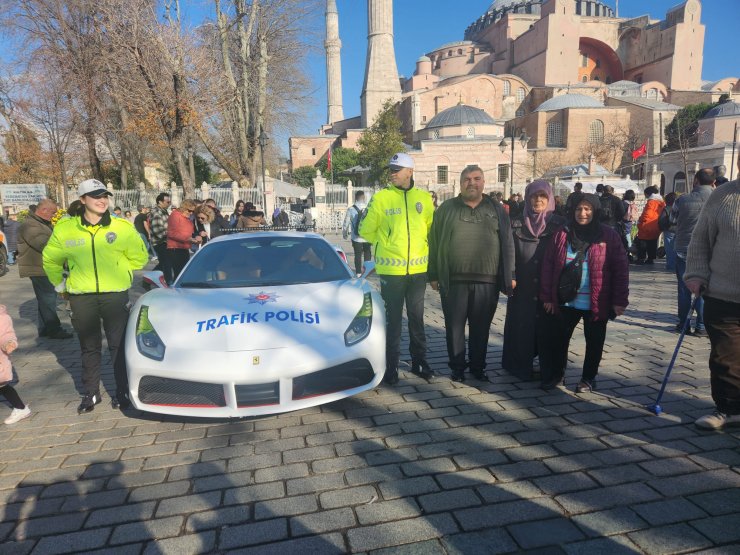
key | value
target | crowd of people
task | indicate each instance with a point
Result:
(558, 263)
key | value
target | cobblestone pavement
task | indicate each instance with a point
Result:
(421, 467)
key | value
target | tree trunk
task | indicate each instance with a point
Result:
(92, 151)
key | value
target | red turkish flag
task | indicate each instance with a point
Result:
(328, 161)
(642, 151)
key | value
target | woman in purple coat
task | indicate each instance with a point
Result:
(585, 275)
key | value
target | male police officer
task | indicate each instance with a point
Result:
(397, 222)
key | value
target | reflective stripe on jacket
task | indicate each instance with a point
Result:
(101, 258)
(398, 223)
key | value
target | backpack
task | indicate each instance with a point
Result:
(664, 220)
(357, 220)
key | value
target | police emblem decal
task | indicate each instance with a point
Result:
(262, 298)
(110, 237)
(419, 207)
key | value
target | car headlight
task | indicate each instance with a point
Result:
(359, 329)
(147, 340)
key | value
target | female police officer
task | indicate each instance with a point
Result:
(102, 253)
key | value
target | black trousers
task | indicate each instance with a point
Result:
(164, 264)
(557, 331)
(722, 321)
(647, 247)
(396, 290)
(473, 304)
(87, 312)
(363, 252)
(48, 321)
(178, 259)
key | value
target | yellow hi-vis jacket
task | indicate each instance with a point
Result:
(101, 258)
(397, 223)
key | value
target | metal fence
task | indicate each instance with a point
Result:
(130, 199)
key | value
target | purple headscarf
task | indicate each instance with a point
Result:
(536, 223)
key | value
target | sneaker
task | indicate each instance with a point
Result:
(586, 386)
(88, 402)
(717, 420)
(60, 334)
(17, 415)
(120, 401)
(422, 370)
(481, 376)
(391, 377)
(458, 377)
(700, 332)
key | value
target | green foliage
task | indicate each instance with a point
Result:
(341, 159)
(202, 171)
(682, 132)
(381, 141)
(304, 175)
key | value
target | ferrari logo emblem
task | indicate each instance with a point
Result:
(255, 361)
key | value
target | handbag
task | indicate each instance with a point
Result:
(570, 278)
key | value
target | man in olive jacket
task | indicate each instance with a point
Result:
(471, 260)
(33, 235)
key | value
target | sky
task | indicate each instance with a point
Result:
(423, 25)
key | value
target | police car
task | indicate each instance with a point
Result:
(256, 323)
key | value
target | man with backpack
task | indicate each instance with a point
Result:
(351, 228)
(612, 210)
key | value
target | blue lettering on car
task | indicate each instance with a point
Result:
(298, 316)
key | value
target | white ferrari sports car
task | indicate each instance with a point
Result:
(256, 323)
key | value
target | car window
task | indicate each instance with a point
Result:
(258, 261)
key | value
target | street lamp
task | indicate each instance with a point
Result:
(503, 145)
(262, 141)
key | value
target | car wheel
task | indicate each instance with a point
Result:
(3, 261)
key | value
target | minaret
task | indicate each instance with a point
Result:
(333, 64)
(381, 73)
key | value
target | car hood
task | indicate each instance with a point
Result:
(245, 319)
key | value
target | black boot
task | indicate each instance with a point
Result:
(391, 376)
(88, 402)
(421, 368)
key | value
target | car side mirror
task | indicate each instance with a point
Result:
(367, 269)
(153, 280)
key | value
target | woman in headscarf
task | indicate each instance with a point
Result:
(585, 275)
(532, 231)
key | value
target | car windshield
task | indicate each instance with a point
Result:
(261, 261)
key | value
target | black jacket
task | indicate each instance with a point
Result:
(439, 244)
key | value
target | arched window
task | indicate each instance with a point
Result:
(555, 134)
(596, 132)
(507, 88)
(471, 133)
(459, 51)
(520, 94)
(585, 78)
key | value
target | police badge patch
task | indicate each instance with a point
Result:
(419, 207)
(110, 237)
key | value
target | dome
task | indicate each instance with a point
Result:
(568, 101)
(460, 115)
(423, 59)
(724, 109)
(499, 4)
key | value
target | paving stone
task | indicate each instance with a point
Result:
(706, 481)
(283, 472)
(319, 523)
(408, 487)
(669, 511)
(400, 532)
(721, 529)
(325, 544)
(159, 491)
(121, 513)
(606, 497)
(620, 474)
(543, 533)
(191, 543)
(348, 496)
(250, 494)
(287, 506)
(669, 539)
(188, 504)
(719, 502)
(509, 491)
(314, 484)
(460, 479)
(149, 529)
(72, 543)
(609, 522)
(489, 542)
(429, 466)
(429, 547)
(563, 483)
(384, 511)
(615, 545)
(449, 500)
(253, 533)
(671, 467)
(510, 512)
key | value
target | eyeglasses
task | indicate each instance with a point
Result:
(395, 170)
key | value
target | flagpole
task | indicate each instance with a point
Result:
(331, 165)
(647, 161)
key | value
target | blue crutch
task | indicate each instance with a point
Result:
(655, 408)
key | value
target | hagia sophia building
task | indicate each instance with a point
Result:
(577, 86)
